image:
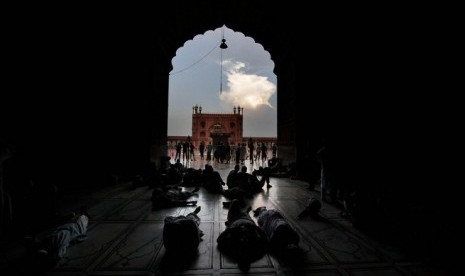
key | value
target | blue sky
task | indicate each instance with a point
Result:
(246, 75)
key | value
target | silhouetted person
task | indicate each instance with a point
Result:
(243, 240)
(326, 177)
(192, 178)
(264, 151)
(191, 146)
(201, 149)
(178, 151)
(238, 153)
(280, 233)
(209, 151)
(53, 247)
(179, 166)
(258, 154)
(185, 151)
(231, 180)
(212, 180)
(251, 150)
(181, 234)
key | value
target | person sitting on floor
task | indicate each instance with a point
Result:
(181, 234)
(249, 182)
(231, 180)
(192, 178)
(212, 180)
(280, 233)
(172, 196)
(265, 175)
(243, 240)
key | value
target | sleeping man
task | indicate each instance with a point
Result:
(52, 245)
(243, 240)
(280, 234)
(181, 234)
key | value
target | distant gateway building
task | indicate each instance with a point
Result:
(218, 128)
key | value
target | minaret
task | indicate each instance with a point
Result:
(234, 109)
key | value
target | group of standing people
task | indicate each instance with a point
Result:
(187, 149)
(225, 152)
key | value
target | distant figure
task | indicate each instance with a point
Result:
(209, 151)
(201, 149)
(258, 154)
(185, 151)
(178, 151)
(264, 173)
(280, 233)
(326, 176)
(274, 151)
(264, 151)
(250, 182)
(192, 148)
(243, 153)
(237, 153)
(181, 234)
(243, 240)
(251, 150)
(179, 166)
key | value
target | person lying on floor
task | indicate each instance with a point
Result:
(172, 196)
(236, 193)
(280, 233)
(243, 240)
(312, 209)
(181, 234)
(53, 246)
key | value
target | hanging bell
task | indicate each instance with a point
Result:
(223, 44)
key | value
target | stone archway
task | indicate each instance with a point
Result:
(219, 134)
(178, 32)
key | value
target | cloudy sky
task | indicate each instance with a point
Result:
(246, 75)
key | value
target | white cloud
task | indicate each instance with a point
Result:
(246, 90)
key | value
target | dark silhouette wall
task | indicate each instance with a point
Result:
(88, 95)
